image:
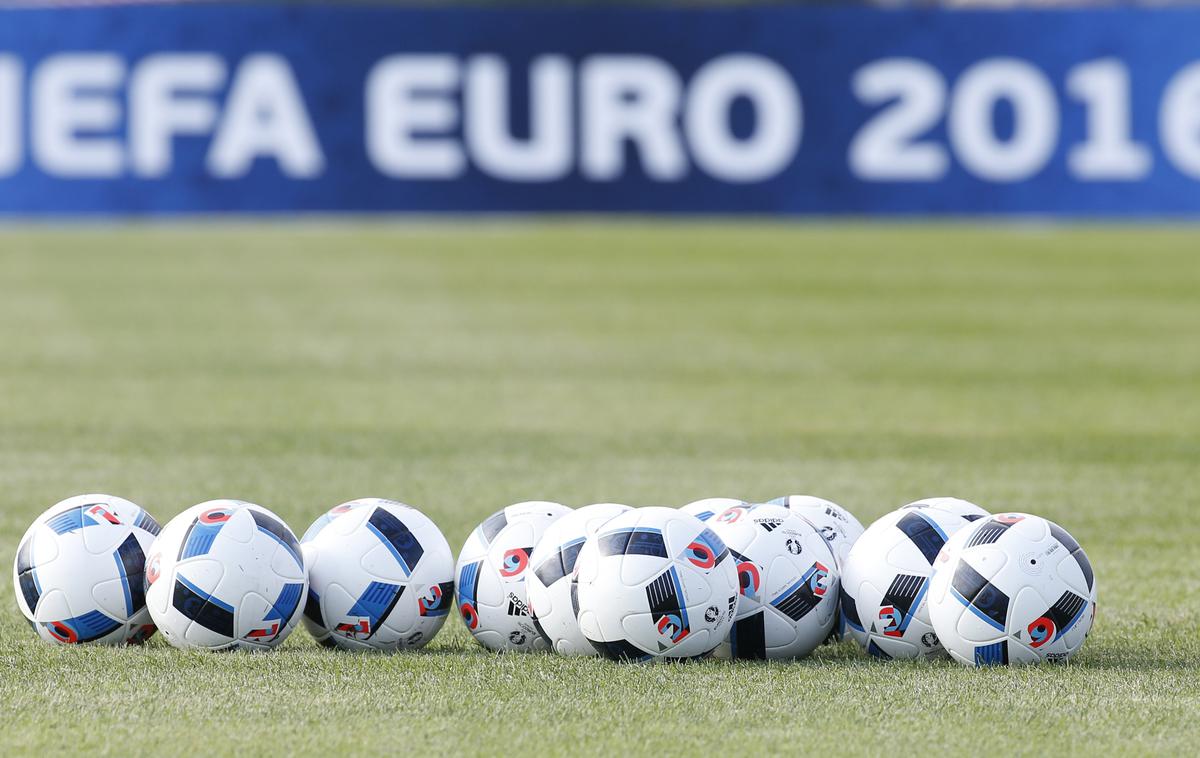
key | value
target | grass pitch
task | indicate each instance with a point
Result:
(461, 366)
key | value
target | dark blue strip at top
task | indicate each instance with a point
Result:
(761, 109)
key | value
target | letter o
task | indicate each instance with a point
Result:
(778, 117)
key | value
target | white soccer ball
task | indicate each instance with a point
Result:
(655, 583)
(952, 505)
(885, 581)
(78, 572)
(226, 574)
(837, 525)
(710, 506)
(788, 582)
(491, 571)
(381, 576)
(550, 582)
(1014, 588)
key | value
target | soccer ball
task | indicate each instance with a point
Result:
(549, 585)
(226, 574)
(952, 505)
(78, 572)
(788, 581)
(836, 524)
(381, 576)
(491, 576)
(655, 583)
(1012, 589)
(885, 580)
(710, 506)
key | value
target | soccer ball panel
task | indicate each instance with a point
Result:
(380, 561)
(711, 506)
(897, 625)
(836, 524)
(687, 641)
(953, 506)
(193, 606)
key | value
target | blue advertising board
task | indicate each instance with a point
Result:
(211, 108)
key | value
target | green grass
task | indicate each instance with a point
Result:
(461, 366)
